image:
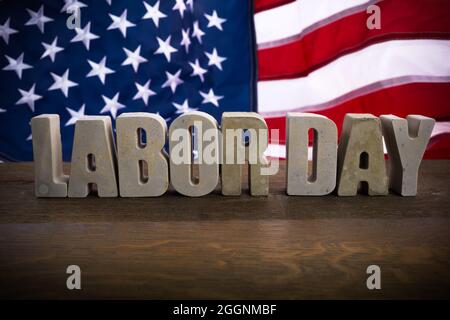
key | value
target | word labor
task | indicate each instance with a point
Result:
(141, 168)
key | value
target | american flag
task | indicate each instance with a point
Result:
(269, 56)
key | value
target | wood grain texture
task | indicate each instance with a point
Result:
(174, 247)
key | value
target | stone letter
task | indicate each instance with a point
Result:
(406, 141)
(181, 162)
(93, 158)
(236, 122)
(361, 156)
(49, 179)
(143, 167)
(322, 181)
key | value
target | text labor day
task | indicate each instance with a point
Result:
(141, 168)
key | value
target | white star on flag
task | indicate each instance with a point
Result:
(197, 70)
(173, 80)
(84, 35)
(144, 92)
(17, 65)
(134, 58)
(72, 6)
(153, 13)
(215, 59)
(75, 115)
(165, 48)
(51, 50)
(38, 18)
(197, 32)
(112, 105)
(185, 41)
(99, 69)
(210, 97)
(62, 82)
(29, 97)
(180, 6)
(121, 23)
(183, 108)
(215, 21)
(6, 31)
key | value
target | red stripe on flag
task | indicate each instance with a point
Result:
(428, 99)
(400, 19)
(439, 147)
(261, 5)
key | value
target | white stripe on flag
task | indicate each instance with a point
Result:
(296, 17)
(441, 128)
(373, 68)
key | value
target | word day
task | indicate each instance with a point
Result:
(139, 166)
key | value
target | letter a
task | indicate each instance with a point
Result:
(374, 21)
(74, 280)
(374, 281)
(93, 158)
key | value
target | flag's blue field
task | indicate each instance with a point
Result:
(166, 57)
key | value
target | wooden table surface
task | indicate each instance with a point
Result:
(175, 247)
